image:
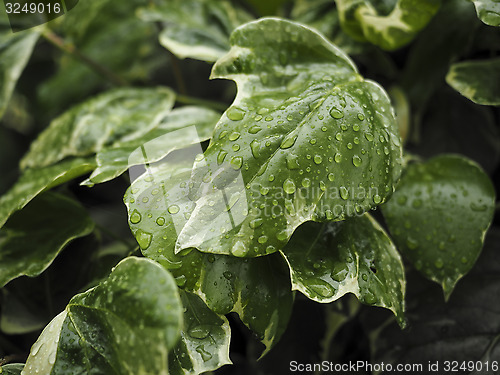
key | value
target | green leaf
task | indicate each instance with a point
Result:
(464, 328)
(126, 325)
(204, 343)
(257, 289)
(15, 51)
(439, 215)
(17, 318)
(488, 11)
(109, 119)
(477, 80)
(43, 222)
(12, 369)
(310, 140)
(267, 7)
(35, 181)
(320, 14)
(176, 130)
(352, 256)
(361, 20)
(196, 29)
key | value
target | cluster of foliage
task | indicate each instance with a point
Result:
(283, 216)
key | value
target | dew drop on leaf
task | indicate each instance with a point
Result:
(235, 113)
(135, 217)
(143, 238)
(336, 113)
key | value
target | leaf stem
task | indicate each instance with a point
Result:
(185, 99)
(70, 49)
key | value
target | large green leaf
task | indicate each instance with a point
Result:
(180, 128)
(12, 369)
(51, 221)
(464, 329)
(488, 11)
(126, 325)
(439, 215)
(477, 80)
(197, 29)
(15, 51)
(362, 20)
(35, 181)
(306, 139)
(109, 119)
(204, 343)
(353, 256)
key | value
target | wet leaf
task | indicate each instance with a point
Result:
(204, 343)
(305, 140)
(180, 128)
(488, 11)
(477, 80)
(106, 120)
(12, 369)
(439, 215)
(363, 21)
(196, 29)
(353, 256)
(126, 325)
(35, 181)
(33, 237)
(15, 51)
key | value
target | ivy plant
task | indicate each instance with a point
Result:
(235, 186)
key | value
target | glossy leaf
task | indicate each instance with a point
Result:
(35, 181)
(306, 139)
(439, 215)
(35, 225)
(488, 11)
(106, 120)
(126, 325)
(477, 80)
(362, 20)
(15, 51)
(196, 29)
(176, 130)
(204, 343)
(463, 329)
(12, 369)
(257, 289)
(353, 256)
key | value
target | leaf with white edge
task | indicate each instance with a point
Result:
(257, 289)
(204, 343)
(439, 216)
(181, 127)
(128, 324)
(196, 29)
(352, 256)
(363, 21)
(477, 80)
(51, 221)
(15, 51)
(306, 139)
(488, 11)
(35, 181)
(109, 119)
(12, 369)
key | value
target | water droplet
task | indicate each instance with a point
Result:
(256, 223)
(331, 177)
(478, 207)
(355, 127)
(206, 356)
(282, 236)
(292, 161)
(222, 134)
(135, 217)
(411, 243)
(199, 332)
(369, 137)
(236, 162)
(235, 114)
(306, 182)
(288, 142)
(322, 186)
(377, 199)
(324, 128)
(173, 209)
(289, 186)
(236, 147)
(234, 136)
(269, 118)
(439, 263)
(221, 157)
(254, 129)
(338, 157)
(336, 113)
(361, 117)
(143, 238)
(255, 147)
(338, 136)
(416, 203)
(228, 275)
(239, 249)
(356, 160)
(160, 221)
(320, 288)
(262, 239)
(271, 178)
(318, 159)
(264, 190)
